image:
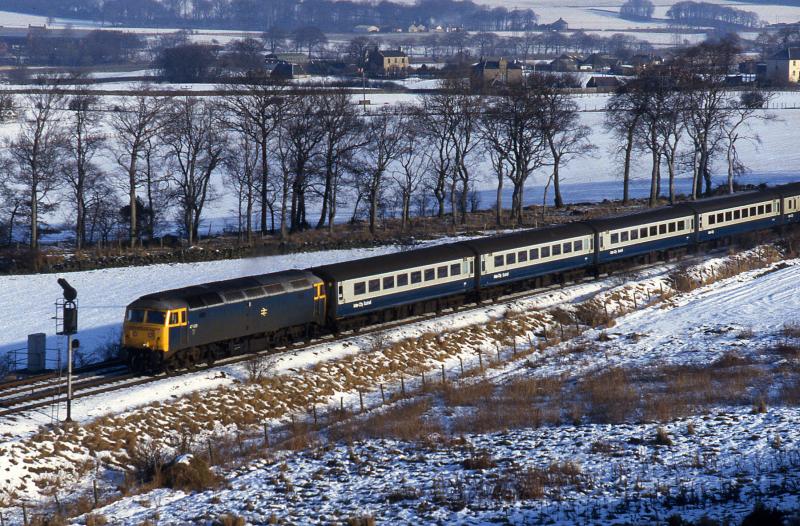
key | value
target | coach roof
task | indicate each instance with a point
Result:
(641, 218)
(523, 238)
(392, 262)
(730, 201)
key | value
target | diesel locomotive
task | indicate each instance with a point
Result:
(184, 327)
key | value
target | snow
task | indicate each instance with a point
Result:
(731, 457)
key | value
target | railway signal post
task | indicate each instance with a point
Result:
(69, 326)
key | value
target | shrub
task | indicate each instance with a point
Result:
(480, 461)
(662, 437)
(190, 473)
(764, 516)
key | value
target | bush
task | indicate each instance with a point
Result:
(190, 473)
(480, 461)
(764, 516)
(662, 437)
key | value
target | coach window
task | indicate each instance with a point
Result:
(737, 214)
(441, 272)
(769, 208)
(545, 252)
(672, 227)
(753, 211)
(654, 230)
(534, 253)
(568, 247)
(681, 225)
(359, 288)
(634, 234)
(578, 246)
(643, 232)
(712, 219)
(388, 282)
(662, 229)
(455, 269)
(430, 274)
(614, 238)
(416, 277)
(374, 285)
(760, 209)
(522, 256)
(728, 215)
(498, 261)
(745, 213)
(402, 280)
(623, 236)
(511, 258)
(720, 217)
(556, 250)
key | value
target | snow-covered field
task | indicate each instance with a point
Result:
(716, 462)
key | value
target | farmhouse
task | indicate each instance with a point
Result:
(784, 67)
(493, 72)
(387, 62)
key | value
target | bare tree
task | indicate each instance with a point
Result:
(386, 143)
(37, 152)
(497, 144)
(196, 147)
(255, 107)
(135, 121)
(343, 136)
(465, 140)
(623, 113)
(301, 137)
(735, 128)
(84, 139)
(559, 124)
(436, 124)
(411, 172)
(154, 178)
(241, 163)
(515, 121)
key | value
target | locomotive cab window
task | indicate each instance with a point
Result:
(156, 317)
(136, 315)
(174, 318)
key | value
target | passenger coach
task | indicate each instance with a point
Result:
(720, 217)
(529, 254)
(399, 284)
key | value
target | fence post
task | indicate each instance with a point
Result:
(24, 515)
(480, 359)
(461, 364)
(314, 408)
(266, 436)
(423, 380)
(341, 404)
(443, 377)
(211, 451)
(361, 400)
(94, 494)
(562, 329)
(383, 397)
(498, 352)
(403, 385)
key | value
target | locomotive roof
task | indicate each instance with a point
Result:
(489, 244)
(641, 217)
(391, 262)
(728, 201)
(216, 292)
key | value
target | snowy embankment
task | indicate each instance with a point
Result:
(327, 373)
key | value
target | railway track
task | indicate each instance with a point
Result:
(32, 393)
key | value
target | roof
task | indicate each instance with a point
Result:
(788, 189)
(391, 53)
(216, 292)
(393, 262)
(495, 64)
(789, 53)
(486, 245)
(637, 218)
(727, 201)
(604, 82)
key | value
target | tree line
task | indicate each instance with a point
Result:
(279, 149)
(329, 15)
(692, 13)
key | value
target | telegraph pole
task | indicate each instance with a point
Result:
(69, 327)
